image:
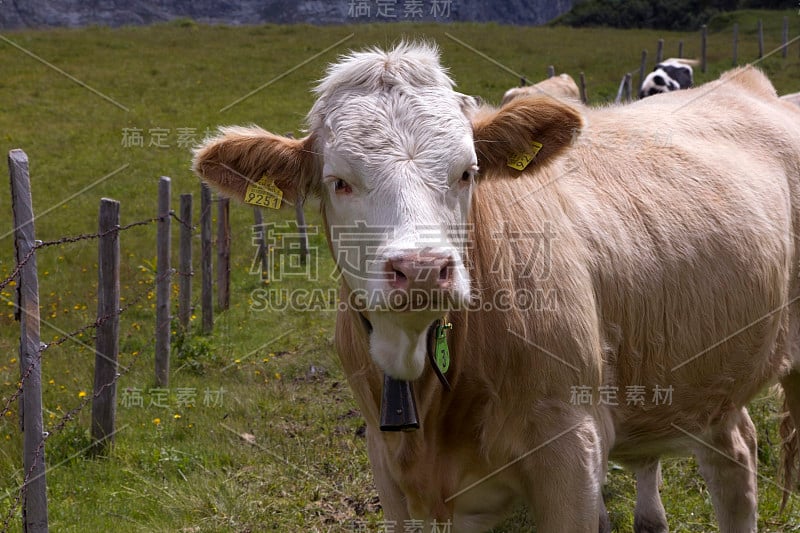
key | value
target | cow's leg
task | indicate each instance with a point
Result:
(649, 516)
(728, 464)
(393, 501)
(564, 474)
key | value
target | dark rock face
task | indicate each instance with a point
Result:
(75, 13)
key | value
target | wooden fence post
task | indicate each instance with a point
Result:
(785, 38)
(680, 49)
(223, 254)
(34, 500)
(760, 38)
(551, 71)
(205, 259)
(735, 44)
(163, 284)
(628, 87)
(582, 88)
(104, 399)
(642, 68)
(623, 85)
(261, 238)
(660, 51)
(301, 217)
(703, 48)
(185, 298)
(621, 88)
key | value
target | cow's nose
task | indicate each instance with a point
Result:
(420, 270)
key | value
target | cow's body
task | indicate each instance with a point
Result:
(669, 75)
(670, 263)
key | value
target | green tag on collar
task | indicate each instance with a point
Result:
(441, 351)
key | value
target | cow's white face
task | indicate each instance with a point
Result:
(391, 152)
(397, 172)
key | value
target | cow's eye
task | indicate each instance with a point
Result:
(341, 187)
(469, 174)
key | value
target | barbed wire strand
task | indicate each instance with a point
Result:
(61, 340)
(71, 239)
(88, 236)
(182, 222)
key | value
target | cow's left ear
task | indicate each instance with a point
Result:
(526, 132)
(240, 157)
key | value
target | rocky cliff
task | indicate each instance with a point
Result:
(75, 13)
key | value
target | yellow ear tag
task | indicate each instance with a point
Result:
(264, 193)
(520, 161)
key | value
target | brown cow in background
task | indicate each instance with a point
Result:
(561, 86)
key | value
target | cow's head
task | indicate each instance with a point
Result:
(393, 152)
(669, 75)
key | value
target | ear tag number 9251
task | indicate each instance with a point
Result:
(264, 193)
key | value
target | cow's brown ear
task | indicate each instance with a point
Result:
(525, 133)
(240, 157)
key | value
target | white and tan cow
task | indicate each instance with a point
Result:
(667, 267)
(561, 86)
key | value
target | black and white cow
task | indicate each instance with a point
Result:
(669, 75)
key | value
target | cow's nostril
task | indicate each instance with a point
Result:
(444, 273)
(399, 276)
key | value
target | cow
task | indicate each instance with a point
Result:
(661, 266)
(562, 86)
(670, 75)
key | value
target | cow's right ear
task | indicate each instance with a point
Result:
(531, 129)
(239, 157)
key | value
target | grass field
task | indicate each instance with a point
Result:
(258, 430)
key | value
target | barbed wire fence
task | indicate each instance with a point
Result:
(625, 91)
(31, 494)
